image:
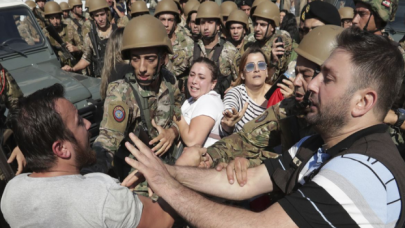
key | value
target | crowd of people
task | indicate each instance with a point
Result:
(239, 114)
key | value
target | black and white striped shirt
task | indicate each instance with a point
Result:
(236, 98)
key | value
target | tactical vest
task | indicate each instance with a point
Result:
(99, 49)
(79, 26)
(217, 51)
(376, 145)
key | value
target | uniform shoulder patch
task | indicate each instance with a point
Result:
(262, 117)
(119, 113)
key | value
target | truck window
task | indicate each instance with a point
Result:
(19, 31)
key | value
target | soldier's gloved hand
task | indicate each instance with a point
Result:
(191, 156)
(17, 154)
(237, 167)
(230, 118)
(165, 139)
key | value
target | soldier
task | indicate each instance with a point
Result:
(319, 13)
(282, 124)
(86, 13)
(65, 12)
(166, 11)
(78, 21)
(101, 30)
(26, 27)
(180, 8)
(9, 94)
(192, 29)
(237, 25)
(346, 16)
(139, 8)
(145, 102)
(246, 6)
(67, 33)
(226, 9)
(40, 13)
(266, 18)
(213, 47)
(373, 16)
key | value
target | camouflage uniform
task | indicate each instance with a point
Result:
(122, 22)
(120, 96)
(226, 59)
(84, 23)
(251, 26)
(183, 53)
(88, 51)
(266, 48)
(68, 34)
(40, 16)
(258, 139)
(27, 31)
(10, 93)
(87, 15)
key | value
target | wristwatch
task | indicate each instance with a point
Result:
(401, 117)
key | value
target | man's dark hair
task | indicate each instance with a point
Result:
(377, 63)
(289, 24)
(37, 125)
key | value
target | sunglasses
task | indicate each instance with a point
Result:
(251, 66)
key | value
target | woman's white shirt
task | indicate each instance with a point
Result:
(210, 105)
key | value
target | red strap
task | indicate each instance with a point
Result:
(276, 97)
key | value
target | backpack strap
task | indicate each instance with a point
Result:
(218, 51)
(197, 51)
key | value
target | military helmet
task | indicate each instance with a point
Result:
(346, 13)
(386, 9)
(178, 5)
(254, 5)
(86, 4)
(139, 7)
(52, 8)
(95, 5)
(227, 8)
(268, 10)
(319, 43)
(208, 10)
(238, 16)
(64, 6)
(167, 6)
(189, 6)
(153, 35)
(31, 4)
(73, 3)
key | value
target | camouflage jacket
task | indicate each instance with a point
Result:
(68, 34)
(10, 93)
(182, 56)
(122, 22)
(258, 139)
(226, 59)
(88, 50)
(83, 22)
(266, 48)
(40, 16)
(27, 31)
(250, 25)
(121, 110)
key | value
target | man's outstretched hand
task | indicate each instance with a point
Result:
(149, 165)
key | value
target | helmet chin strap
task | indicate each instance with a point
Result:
(173, 29)
(368, 21)
(212, 37)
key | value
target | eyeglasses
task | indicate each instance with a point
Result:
(251, 66)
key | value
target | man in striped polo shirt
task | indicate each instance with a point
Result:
(350, 174)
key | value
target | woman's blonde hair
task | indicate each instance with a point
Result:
(112, 56)
(251, 50)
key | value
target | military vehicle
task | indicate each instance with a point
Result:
(27, 54)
